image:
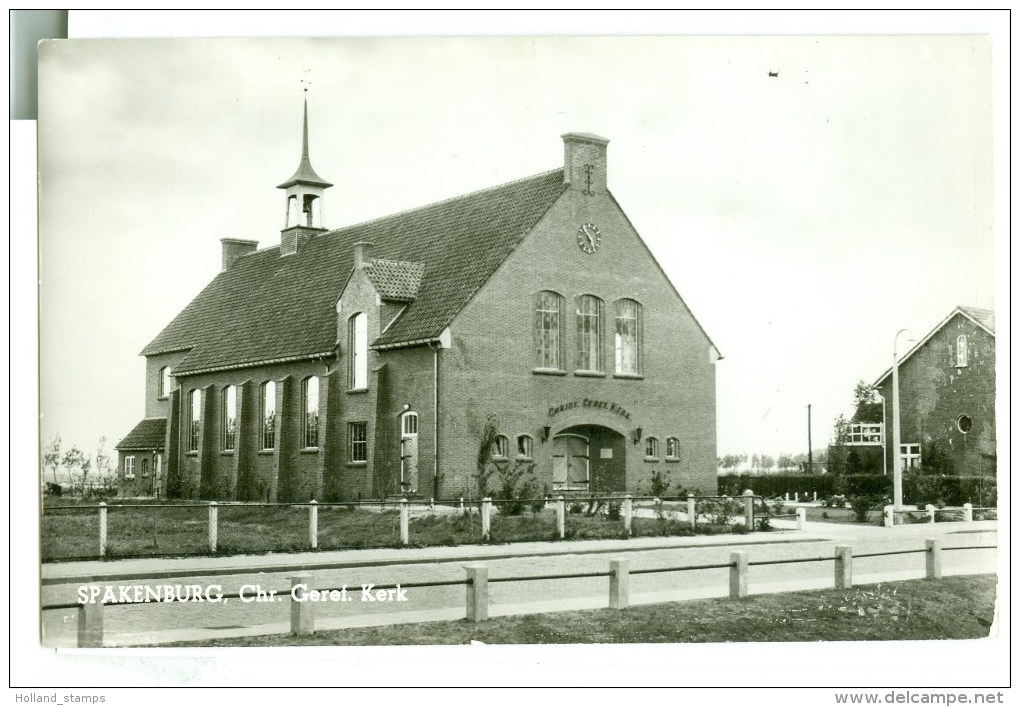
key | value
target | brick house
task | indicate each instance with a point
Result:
(363, 362)
(947, 396)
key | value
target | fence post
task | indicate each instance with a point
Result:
(931, 513)
(212, 526)
(477, 592)
(561, 517)
(461, 504)
(796, 497)
(692, 511)
(933, 558)
(749, 509)
(486, 510)
(801, 518)
(619, 583)
(102, 529)
(313, 524)
(738, 574)
(786, 497)
(628, 511)
(405, 519)
(90, 624)
(302, 613)
(887, 516)
(968, 513)
(844, 566)
(814, 497)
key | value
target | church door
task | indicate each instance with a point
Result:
(409, 452)
(570, 461)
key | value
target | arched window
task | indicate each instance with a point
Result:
(357, 340)
(310, 405)
(501, 447)
(409, 423)
(228, 418)
(548, 331)
(194, 418)
(165, 382)
(628, 337)
(145, 466)
(268, 406)
(651, 448)
(672, 448)
(589, 333)
(961, 351)
(524, 446)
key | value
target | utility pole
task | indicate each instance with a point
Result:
(810, 465)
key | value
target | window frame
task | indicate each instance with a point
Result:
(618, 342)
(651, 448)
(145, 467)
(129, 466)
(501, 447)
(165, 384)
(310, 418)
(551, 358)
(906, 456)
(267, 417)
(672, 449)
(588, 330)
(357, 444)
(357, 342)
(525, 447)
(961, 351)
(194, 400)
(228, 424)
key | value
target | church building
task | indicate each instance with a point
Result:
(363, 362)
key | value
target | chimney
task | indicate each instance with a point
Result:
(584, 162)
(234, 248)
(362, 253)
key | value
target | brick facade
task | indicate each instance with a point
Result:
(935, 393)
(481, 363)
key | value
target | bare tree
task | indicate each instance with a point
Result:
(51, 456)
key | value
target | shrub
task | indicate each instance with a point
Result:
(613, 511)
(54, 489)
(862, 505)
(660, 482)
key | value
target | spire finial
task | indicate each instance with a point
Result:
(305, 174)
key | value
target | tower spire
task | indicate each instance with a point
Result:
(304, 192)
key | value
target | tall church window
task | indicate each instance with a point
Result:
(357, 337)
(628, 337)
(310, 404)
(589, 333)
(357, 434)
(548, 331)
(165, 382)
(194, 419)
(228, 418)
(961, 351)
(268, 426)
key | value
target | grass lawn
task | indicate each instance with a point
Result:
(178, 530)
(948, 608)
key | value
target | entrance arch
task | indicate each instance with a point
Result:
(589, 458)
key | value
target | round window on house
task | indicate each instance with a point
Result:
(964, 423)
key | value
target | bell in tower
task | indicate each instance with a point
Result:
(304, 192)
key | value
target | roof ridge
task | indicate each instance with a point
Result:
(448, 200)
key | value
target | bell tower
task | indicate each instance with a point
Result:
(304, 192)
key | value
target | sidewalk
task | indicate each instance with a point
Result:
(160, 567)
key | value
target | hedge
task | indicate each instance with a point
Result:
(917, 489)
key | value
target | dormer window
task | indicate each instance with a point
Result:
(961, 351)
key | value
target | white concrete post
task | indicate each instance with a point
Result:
(796, 497)
(628, 513)
(968, 513)
(90, 624)
(619, 583)
(887, 516)
(561, 517)
(931, 513)
(844, 566)
(313, 525)
(302, 613)
(692, 510)
(102, 530)
(461, 504)
(477, 592)
(486, 510)
(933, 558)
(738, 574)
(212, 526)
(749, 509)
(801, 518)
(405, 520)
(814, 496)
(786, 497)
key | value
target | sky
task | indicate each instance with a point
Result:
(804, 218)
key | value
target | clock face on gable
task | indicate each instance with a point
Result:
(589, 238)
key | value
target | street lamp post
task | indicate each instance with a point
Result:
(897, 466)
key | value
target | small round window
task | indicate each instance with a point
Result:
(964, 423)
